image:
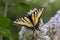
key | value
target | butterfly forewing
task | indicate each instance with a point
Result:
(36, 15)
(24, 21)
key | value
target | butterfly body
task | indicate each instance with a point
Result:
(30, 21)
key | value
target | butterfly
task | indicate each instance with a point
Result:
(30, 21)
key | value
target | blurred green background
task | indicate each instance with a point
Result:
(12, 9)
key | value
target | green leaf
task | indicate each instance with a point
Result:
(25, 6)
(5, 32)
(4, 21)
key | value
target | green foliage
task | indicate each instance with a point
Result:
(25, 6)
(5, 32)
(4, 23)
(0, 4)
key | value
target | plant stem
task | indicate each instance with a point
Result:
(6, 6)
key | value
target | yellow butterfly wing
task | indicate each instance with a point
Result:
(24, 21)
(36, 16)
